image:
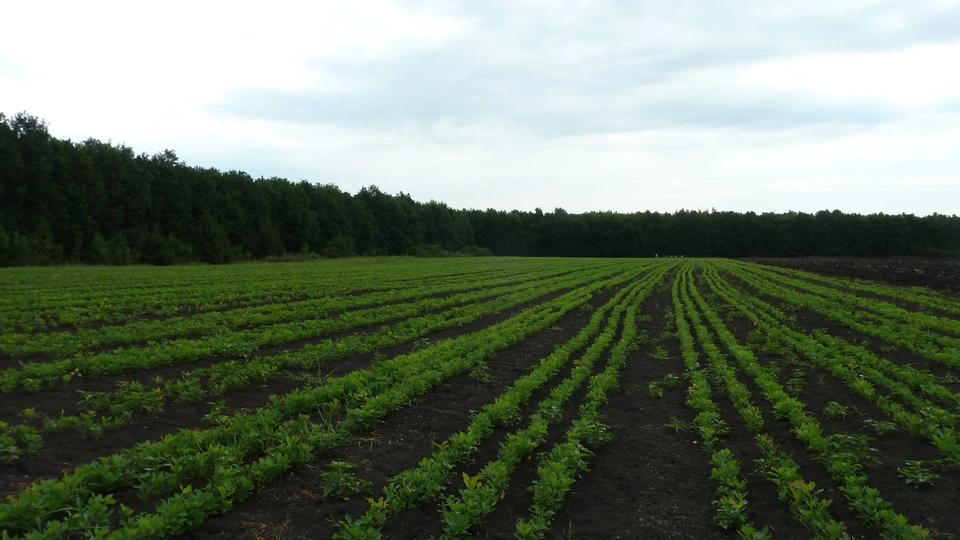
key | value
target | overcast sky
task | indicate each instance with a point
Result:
(586, 105)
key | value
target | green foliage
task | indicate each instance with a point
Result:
(187, 476)
(341, 483)
(880, 427)
(426, 250)
(731, 499)
(212, 244)
(62, 201)
(834, 410)
(163, 250)
(678, 425)
(916, 474)
(338, 246)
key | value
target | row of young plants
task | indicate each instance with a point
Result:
(731, 501)
(36, 311)
(708, 422)
(244, 289)
(840, 454)
(244, 292)
(802, 497)
(920, 296)
(34, 376)
(282, 434)
(933, 423)
(899, 379)
(193, 386)
(557, 469)
(482, 492)
(201, 383)
(128, 283)
(64, 344)
(885, 309)
(422, 484)
(731, 490)
(939, 348)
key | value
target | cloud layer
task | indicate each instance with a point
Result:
(585, 105)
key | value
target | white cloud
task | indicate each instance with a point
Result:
(144, 72)
(912, 79)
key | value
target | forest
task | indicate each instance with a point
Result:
(94, 202)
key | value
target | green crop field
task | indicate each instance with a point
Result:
(487, 397)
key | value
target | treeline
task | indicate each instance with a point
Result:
(100, 203)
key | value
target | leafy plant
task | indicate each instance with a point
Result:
(914, 473)
(796, 383)
(481, 373)
(732, 499)
(748, 532)
(341, 483)
(854, 448)
(678, 425)
(834, 410)
(880, 427)
(219, 412)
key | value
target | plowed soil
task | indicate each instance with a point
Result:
(941, 274)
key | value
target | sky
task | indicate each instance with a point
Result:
(512, 104)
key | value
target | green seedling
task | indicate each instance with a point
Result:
(836, 411)
(915, 474)
(880, 427)
(219, 412)
(481, 373)
(342, 484)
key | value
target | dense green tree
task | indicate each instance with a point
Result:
(212, 243)
(99, 203)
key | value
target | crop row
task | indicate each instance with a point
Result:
(100, 283)
(34, 375)
(282, 435)
(840, 454)
(931, 423)
(63, 344)
(902, 333)
(558, 469)
(898, 379)
(917, 295)
(802, 496)
(33, 310)
(422, 484)
(247, 291)
(132, 398)
(879, 307)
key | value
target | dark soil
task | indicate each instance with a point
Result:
(811, 320)
(10, 361)
(295, 507)
(649, 481)
(929, 506)
(65, 450)
(62, 397)
(941, 273)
